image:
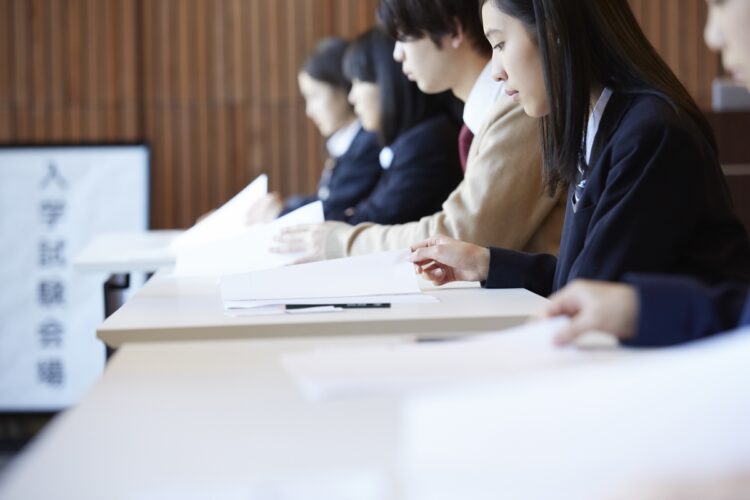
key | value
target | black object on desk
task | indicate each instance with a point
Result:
(375, 305)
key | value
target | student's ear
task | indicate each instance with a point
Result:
(459, 36)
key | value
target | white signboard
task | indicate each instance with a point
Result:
(52, 201)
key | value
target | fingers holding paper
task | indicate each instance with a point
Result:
(443, 260)
(265, 209)
(595, 306)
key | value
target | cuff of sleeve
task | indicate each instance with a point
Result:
(671, 311)
(336, 240)
(512, 269)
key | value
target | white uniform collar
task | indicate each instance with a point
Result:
(341, 140)
(483, 94)
(595, 119)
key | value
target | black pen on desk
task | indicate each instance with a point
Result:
(375, 305)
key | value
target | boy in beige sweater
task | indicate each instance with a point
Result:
(502, 200)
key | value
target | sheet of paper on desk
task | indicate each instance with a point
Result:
(676, 415)
(247, 251)
(406, 367)
(347, 280)
(227, 220)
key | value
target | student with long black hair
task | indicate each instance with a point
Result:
(646, 190)
(655, 310)
(352, 169)
(418, 134)
(501, 201)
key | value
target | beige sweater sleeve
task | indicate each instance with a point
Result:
(501, 201)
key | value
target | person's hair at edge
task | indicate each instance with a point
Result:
(583, 43)
(402, 105)
(404, 19)
(325, 63)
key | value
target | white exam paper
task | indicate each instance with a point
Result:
(378, 274)
(247, 251)
(227, 220)
(406, 367)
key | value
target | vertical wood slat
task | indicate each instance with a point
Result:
(675, 28)
(219, 110)
(313, 146)
(55, 57)
(6, 61)
(257, 81)
(201, 151)
(90, 47)
(181, 19)
(211, 84)
(74, 70)
(111, 40)
(21, 75)
(39, 76)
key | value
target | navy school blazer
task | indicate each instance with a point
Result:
(675, 309)
(655, 201)
(424, 171)
(353, 177)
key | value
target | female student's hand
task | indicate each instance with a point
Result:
(308, 239)
(595, 306)
(442, 260)
(265, 209)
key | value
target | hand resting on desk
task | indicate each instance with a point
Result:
(443, 260)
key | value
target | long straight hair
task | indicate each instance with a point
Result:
(325, 63)
(582, 44)
(402, 105)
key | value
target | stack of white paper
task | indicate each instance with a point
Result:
(380, 277)
(247, 250)
(227, 220)
(407, 367)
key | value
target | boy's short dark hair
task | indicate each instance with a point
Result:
(434, 18)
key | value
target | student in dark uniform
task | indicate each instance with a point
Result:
(353, 168)
(646, 190)
(418, 135)
(658, 310)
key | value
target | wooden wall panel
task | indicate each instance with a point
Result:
(675, 28)
(6, 61)
(69, 71)
(220, 98)
(211, 84)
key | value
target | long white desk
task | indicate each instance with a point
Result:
(119, 254)
(218, 420)
(171, 309)
(224, 420)
(123, 252)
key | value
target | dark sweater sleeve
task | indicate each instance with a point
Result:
(354, 178)
(677, 309)
(512, 269)
(425, 170)
(652, 187)
(294, 202)
(662, 209)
